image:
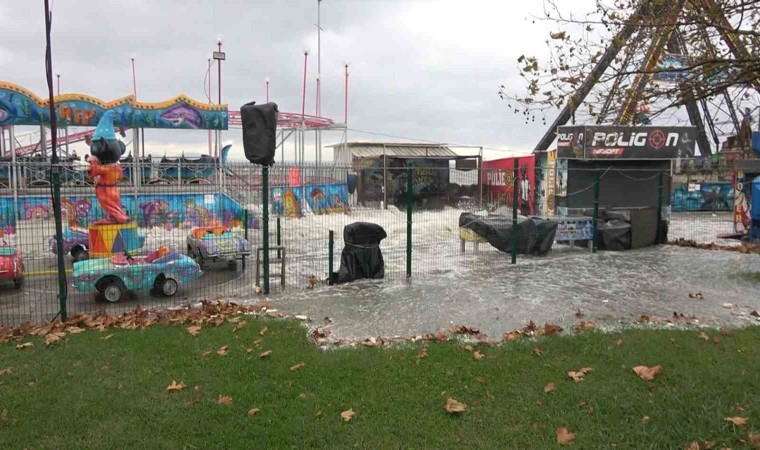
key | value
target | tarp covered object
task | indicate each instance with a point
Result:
(534, 236)
(614, 235)
(259, 132)
(361, 256)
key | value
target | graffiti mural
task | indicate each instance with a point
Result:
(327, 199)
(320, 199)
(703, 197)
(149, 210)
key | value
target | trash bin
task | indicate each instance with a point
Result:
(361, 256)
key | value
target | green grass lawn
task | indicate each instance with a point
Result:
(91, 392)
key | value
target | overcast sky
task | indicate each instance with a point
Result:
(425, 69)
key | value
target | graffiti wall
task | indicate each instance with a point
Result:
(19, 106)
(288, 201)
(499, 177)
(149, 210)
(430, 178)
(703, 197)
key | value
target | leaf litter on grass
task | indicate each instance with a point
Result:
(564, 437)
(194, 330)
(347, 415)
(738, 421)
(224, 400)
(580, 374)
(647, 373)
(454, 407)
(175, 387)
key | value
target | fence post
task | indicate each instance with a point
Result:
(245, 230)
(265, 224)
(515, 186)
(596, 212)
(62, 284)
(330, 249)
(660, 189)
(279, 241)
(409, 202)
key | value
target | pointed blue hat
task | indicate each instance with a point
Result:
(105, 128)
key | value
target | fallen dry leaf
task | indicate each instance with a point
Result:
(619, 342)
(693, 445)
(265, 354)
(347, 415)
(477, 355)
(754, 440)
(52, 338)
(703, 335)
(708, 445)
(716, 340)
(551, 387)
(263, 331)
(646, 419)
(297, 367)
(174, 386)
(422, 353)
(6, 371)
(453, 407)
(737, 408)
(249, 350)
(564, 437)
(584, 326)
(206, 354)
(511, 336)
(754, 314)
(196, 388)
(738, 421)
(578, 376)
(647, 373)
(238, 326)
(105, 338)
(24, 345)
(550, 329)
(253, 411)
(195, 330)
(537, 351)
(75, 330)
(224, 400)
(223, 351)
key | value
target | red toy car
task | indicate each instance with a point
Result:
(11, 264)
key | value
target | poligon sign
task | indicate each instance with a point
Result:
(625, 142)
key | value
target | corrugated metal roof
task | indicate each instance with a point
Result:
(375, 149)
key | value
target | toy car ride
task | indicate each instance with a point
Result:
(161, 270)
(11, 264)
(216, 243)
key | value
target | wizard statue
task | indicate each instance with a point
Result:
(105, 169)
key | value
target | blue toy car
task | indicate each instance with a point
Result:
(161, 270)
(216, 243)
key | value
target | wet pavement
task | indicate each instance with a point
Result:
(607, 287)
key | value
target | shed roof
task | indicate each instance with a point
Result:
(397, 150)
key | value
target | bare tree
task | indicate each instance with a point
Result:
(633, 61)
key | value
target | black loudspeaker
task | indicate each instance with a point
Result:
(259, 132)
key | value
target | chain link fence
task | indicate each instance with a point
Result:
(203, 225)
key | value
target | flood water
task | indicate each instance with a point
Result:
(607, 287)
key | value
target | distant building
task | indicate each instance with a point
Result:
(381, 168)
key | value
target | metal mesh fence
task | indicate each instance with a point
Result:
(201, 225)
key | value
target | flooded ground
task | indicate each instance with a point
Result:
(607, 287)
(476, 289)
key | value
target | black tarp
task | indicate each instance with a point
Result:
(259, 132)
(361, 256)
(534, 236)
(614, 235)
